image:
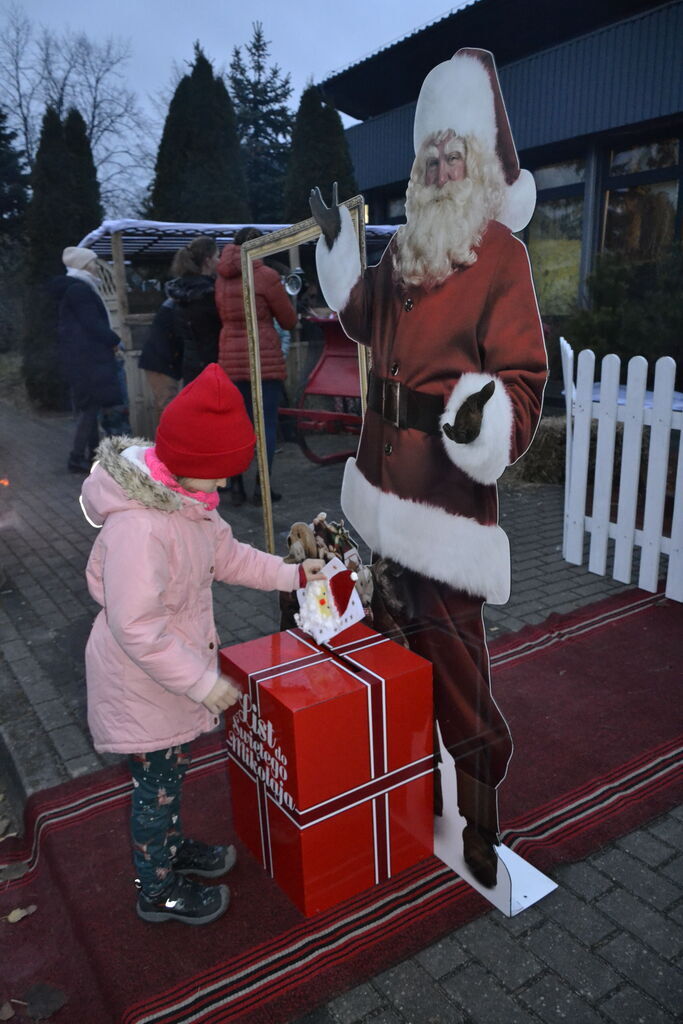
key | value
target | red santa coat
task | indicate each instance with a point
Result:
(423, 500)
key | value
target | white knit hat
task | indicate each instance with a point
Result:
(77, 257)
(463, 95)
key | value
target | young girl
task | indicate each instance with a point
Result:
(151, 659)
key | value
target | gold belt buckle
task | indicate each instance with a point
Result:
(391, 394)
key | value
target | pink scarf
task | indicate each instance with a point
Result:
(164, 476)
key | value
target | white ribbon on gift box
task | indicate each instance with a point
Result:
(379, 785)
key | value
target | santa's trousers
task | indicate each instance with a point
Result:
(446, 627)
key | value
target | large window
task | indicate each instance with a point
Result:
(642, 199)
(644, 158)
(553, 237)
(554, 243)
(639, 221)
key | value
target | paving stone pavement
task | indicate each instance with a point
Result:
(606, 946)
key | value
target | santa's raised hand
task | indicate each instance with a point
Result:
(326, 217)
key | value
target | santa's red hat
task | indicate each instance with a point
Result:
(463, 95)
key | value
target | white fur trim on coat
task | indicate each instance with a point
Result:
(485, 458)
(453, 549)
(339, 267)
(519, 202)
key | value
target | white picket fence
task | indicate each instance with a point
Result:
(662, 411)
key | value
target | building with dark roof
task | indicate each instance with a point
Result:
(594, 93)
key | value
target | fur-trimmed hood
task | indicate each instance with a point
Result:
(120, 480)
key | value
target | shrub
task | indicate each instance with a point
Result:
(636, 309)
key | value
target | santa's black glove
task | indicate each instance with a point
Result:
(326, 217)
(467, 423)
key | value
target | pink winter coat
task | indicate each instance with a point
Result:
(272, 301)
(152, 653)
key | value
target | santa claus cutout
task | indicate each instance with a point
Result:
(454, 396)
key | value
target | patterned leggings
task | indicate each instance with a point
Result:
(155, 825)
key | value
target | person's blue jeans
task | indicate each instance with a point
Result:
(272, 393)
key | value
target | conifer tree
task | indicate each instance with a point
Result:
(49, 229)
(48, 218)
(319, 156)
(13, 200)
(83, 186)
(264, 125)
(199, 176)
(13, 181)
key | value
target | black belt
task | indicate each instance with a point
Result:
(404, 407)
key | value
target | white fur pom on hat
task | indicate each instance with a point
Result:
(463, 95)
(78, 257)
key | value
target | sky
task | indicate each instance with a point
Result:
(308, 38)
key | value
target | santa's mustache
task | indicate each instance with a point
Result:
(451, 193)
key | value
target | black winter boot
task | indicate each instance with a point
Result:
(78, 464)
(186, 901)
(238, 495)
(197, 858)
(258, 500)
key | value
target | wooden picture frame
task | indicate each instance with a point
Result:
(257, 249)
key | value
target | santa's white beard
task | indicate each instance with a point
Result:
(443, 227)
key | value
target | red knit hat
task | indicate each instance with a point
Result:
(205, 431)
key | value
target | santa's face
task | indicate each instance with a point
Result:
(455, 188)
(445, 161)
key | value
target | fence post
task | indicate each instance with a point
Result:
(657, 462)
(583, 412)
(632, 444)
(674, 579)
(604, 463)
(567, 356)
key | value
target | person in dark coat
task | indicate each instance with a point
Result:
(194, 307)
(162, 356)
(88, 350)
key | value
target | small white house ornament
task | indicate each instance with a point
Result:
(328, 607)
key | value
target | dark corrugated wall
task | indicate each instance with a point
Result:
(621, 75)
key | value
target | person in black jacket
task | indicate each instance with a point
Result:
(162, 356)
(87, 350)
(194, 307)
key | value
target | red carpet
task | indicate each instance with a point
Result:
(592, 706)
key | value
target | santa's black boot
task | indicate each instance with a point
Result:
(478, 805)
(478, 845)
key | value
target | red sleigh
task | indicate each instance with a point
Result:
(330, 399)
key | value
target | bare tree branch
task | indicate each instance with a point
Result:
(68, 69)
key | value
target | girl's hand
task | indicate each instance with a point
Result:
(223, 695)
(312, 567)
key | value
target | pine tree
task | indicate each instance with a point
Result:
(13, 201)
(264, 125)
(13, 181)
(49, 228)
(83, 186)
(48, 218)
(199, 175)
(319, 156)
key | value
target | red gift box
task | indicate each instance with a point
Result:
(331, 760)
